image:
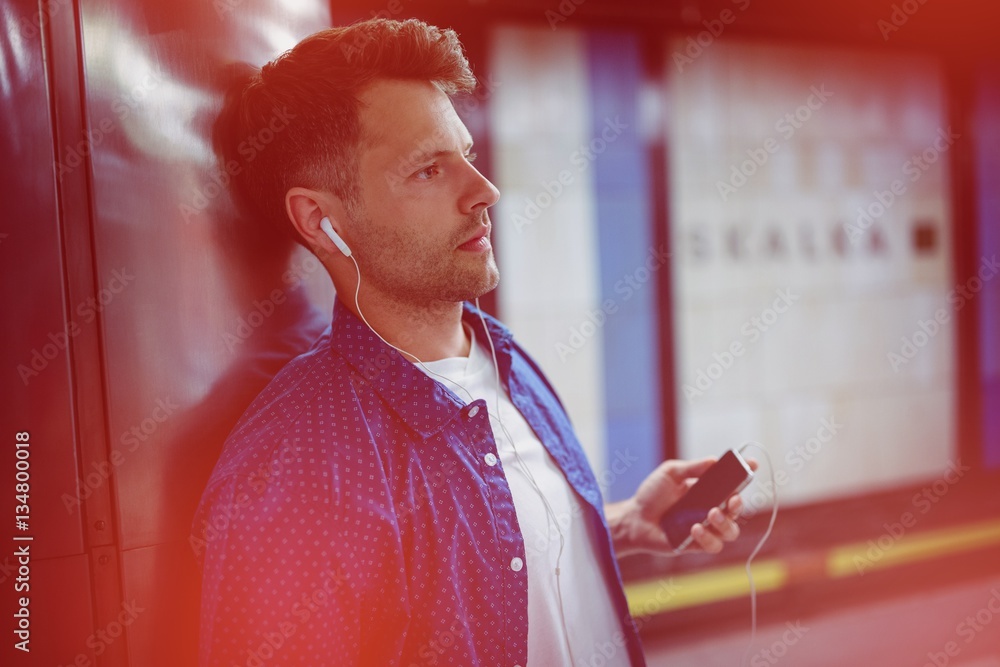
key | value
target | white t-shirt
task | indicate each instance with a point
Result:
(590, 619)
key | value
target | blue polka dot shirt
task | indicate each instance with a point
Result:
(352, 518)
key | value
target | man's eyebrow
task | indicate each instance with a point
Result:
(428, 156)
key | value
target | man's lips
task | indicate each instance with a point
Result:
(479, 241)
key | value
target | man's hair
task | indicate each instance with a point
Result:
(295, 121)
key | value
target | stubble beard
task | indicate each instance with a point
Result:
(411, 270)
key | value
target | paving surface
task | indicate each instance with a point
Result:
(957, 626)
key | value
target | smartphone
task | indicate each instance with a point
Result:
(729, 475)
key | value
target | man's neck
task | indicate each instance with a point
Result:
(428, 333)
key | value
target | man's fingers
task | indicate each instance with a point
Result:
(723, 525)
(706, 539)
(715, 532)
(680, 470)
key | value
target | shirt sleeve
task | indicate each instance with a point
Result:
(302, 564)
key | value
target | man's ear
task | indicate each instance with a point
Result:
(305, 209)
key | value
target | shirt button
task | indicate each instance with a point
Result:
(473, 411)
(491, 460)
(516, 564)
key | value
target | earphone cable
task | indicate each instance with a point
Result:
(760, 544)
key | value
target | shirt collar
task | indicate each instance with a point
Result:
(423, 403)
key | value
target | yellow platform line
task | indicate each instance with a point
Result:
(887, 551)
(655, 596)
(663, 594)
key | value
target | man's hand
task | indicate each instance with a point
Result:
(635, 523)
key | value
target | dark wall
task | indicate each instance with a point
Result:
(143, 312)
(38, 395)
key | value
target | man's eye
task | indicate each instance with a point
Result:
(427, 172)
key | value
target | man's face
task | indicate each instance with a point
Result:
(422, 234)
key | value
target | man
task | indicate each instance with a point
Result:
(409, 491)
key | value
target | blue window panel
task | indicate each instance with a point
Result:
(988, 174)
(621, 180)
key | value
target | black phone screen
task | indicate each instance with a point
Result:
(727, 476)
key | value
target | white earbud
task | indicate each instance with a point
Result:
(327, 228)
